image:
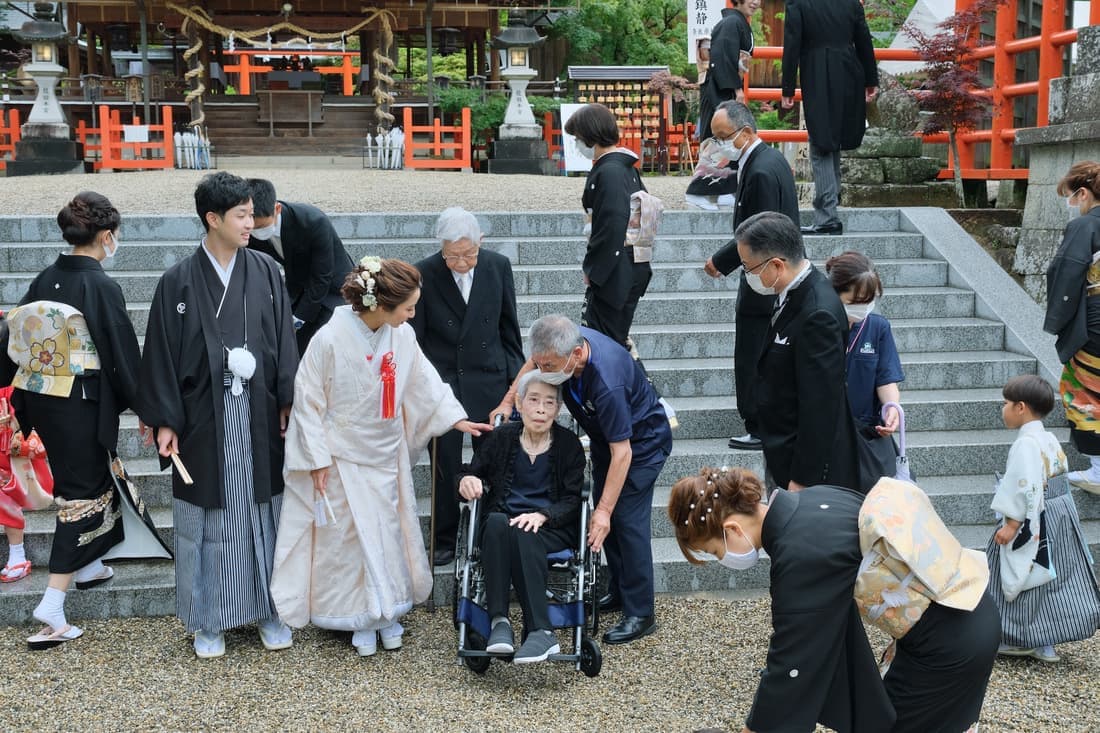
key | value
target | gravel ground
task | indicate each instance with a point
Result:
(332, 190)
(699, 670)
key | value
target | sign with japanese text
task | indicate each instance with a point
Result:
(702, 16)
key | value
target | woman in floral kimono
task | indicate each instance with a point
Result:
(74, 355)
(350, 554)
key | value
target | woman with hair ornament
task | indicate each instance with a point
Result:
(350, 555)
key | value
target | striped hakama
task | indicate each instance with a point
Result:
(1068, 607)
(224, 557)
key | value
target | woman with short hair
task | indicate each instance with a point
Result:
(615, 282)
(528, 475)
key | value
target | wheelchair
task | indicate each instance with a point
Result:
(571, 591)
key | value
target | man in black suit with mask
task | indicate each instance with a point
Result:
(764, 183)
(467, 325)
(303, 241)
(805, 423)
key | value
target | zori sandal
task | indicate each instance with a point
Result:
(48, 637)
(18, 571)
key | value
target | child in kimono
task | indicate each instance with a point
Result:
(1040, 568)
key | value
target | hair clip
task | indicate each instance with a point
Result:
(691, 506)
(715, 494)
(686, 521)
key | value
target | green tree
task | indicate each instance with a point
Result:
(626, 33)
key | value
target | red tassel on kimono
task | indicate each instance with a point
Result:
(388, 372)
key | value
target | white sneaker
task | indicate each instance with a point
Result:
(275, 635)
(1015, 651)
(1085, 480)
(1046, 654)
(703, 202)
(391, 636)
(209, 644)
(365, 642)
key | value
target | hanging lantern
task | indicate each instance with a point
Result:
(449, 39)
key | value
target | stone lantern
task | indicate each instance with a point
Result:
(515, 43)
(520, 147)
(47, 145)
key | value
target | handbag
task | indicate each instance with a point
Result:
(32, 470)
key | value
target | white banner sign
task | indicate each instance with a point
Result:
(702, 15)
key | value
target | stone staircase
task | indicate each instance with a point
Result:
(234, 130)
(962, 326)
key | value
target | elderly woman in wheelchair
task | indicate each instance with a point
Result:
(528, 478)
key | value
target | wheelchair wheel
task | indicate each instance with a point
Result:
(475, 641)
(591, 657)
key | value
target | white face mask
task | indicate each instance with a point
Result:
(756, 282)
(264, 233)
(109, 253)
(858, 311)
(585, 151)
(742, 561)
(557, 378)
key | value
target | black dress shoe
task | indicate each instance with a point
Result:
(629, 629)
(748, 441)
(836, 228)
(610, 603)
(443, 556)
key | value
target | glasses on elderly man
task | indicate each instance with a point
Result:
(468, 257)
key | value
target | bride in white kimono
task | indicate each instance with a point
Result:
(350, 555)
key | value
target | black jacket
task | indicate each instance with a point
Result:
(804, 418)
(494, 464)
(765, 184)
(314, 260)
(831, 45)
(607, 263)
(1067, 315)
(476, 347)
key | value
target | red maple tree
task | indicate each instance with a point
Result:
(952, 90)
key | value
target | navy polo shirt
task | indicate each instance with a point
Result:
(613, 401)
(872, 362)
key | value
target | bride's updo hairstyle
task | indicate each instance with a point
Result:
(698, 505)
(376, 283)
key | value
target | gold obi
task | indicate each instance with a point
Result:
(51, 345)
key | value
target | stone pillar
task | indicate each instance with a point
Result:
(1073, 135)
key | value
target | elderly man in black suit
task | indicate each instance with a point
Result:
(764, 183)
(303, 241)
(805, 423)
(467, 325)
(830, 42)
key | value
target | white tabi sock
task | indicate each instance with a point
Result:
(91, 571)
(51, 609)
(16, 554)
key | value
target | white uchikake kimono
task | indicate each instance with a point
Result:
(1034, 458)
(368, 569)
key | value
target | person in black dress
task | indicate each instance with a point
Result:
(72, 392)
(615, 281)
(535, 471)
(820, 666)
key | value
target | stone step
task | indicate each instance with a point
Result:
(151, 253)
(147, 588)
(693, 340)
(549, 280)
(931, 453)
(370, 226)
(705, 377)
(702, 307)
(959, 499)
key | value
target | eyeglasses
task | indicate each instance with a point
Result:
(758, 266)
(454, 259)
